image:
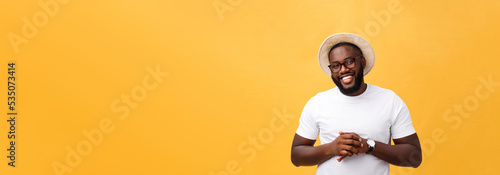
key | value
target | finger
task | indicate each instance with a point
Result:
(340, 158)
(349, 148)
(346, 136)
(340, 132)
(345, 153)
(352, 135)
(359, 138)
(351, 142)
(355, 134)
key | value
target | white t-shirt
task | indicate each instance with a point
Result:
(377, 114)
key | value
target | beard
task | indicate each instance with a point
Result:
(357, 84)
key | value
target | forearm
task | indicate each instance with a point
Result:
(400, 154)
(304, 155)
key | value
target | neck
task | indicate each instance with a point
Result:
(360, 91)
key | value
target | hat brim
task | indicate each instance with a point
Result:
(329, 42)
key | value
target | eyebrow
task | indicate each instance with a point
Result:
(344, 60)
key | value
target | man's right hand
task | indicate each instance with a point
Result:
(346, 144)
(304, 153)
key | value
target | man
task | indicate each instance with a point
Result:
(355, 121)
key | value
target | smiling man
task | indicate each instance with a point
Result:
(355, 121)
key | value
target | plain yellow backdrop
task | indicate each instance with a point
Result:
(236, 75)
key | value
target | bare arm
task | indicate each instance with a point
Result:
(304, 153)
(405, 152)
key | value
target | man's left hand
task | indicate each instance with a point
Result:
(362, 149)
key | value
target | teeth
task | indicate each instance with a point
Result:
(346, 77)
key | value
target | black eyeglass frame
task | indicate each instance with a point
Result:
(347, 65)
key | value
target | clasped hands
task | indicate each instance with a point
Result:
(347, 144)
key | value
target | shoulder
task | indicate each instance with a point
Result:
(376, 89)
(387, 94)
(322, 96)
(381, 92)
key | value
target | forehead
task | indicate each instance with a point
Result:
(342, 52)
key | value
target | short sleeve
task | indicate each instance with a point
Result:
(308, 127)
(401, 125)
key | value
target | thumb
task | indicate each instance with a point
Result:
(340, 158)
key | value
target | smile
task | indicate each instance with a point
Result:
(346, 79)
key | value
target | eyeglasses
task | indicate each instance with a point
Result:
(348, 63)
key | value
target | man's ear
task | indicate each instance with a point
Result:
(363, 62)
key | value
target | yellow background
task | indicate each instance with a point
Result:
(231, 75)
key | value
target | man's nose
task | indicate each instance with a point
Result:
(342, 69)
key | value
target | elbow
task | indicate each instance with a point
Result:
(416, 159)
(413, 162)
(413, 159)
(417, 163)
(295, 158)
(294, 161)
